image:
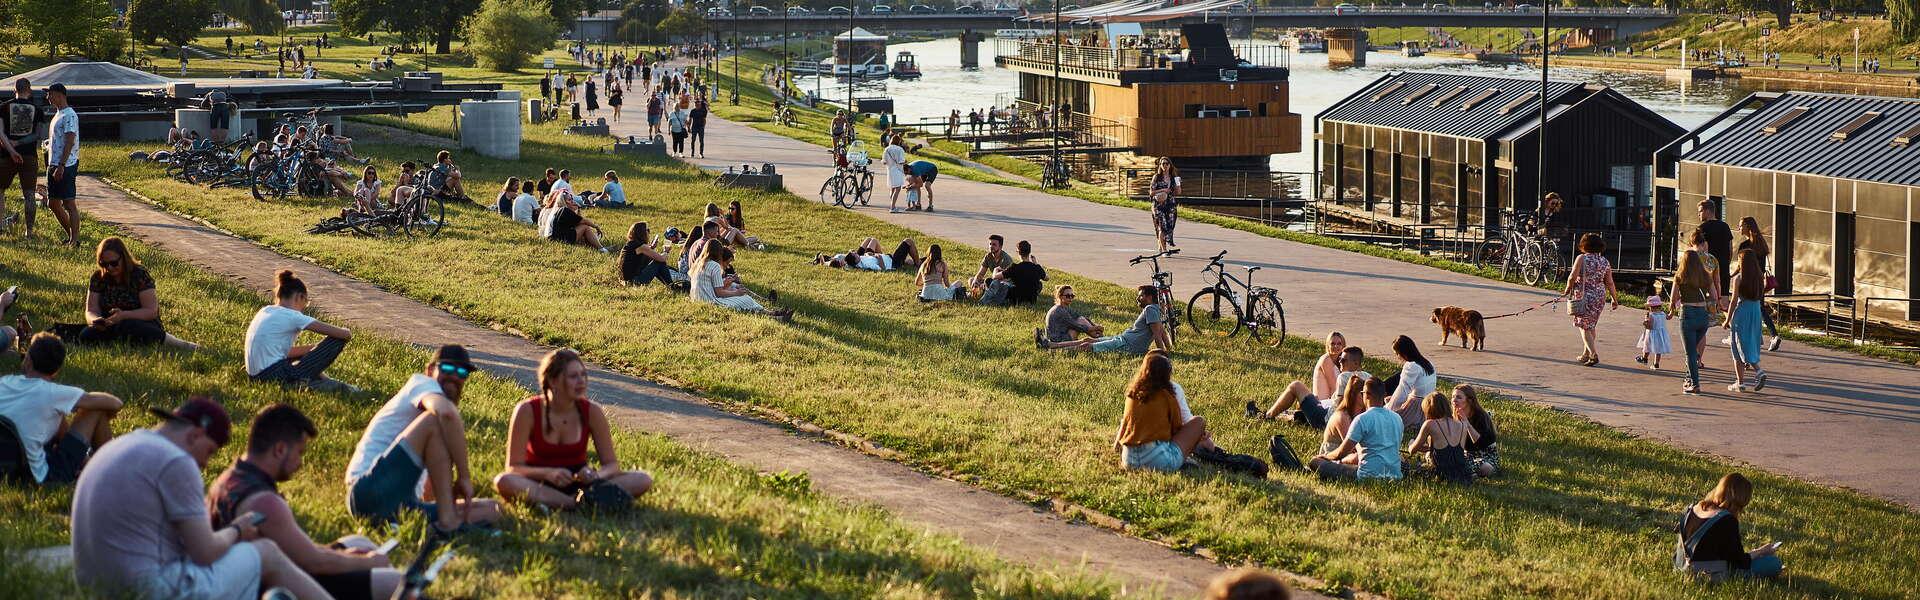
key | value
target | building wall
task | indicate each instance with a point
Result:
(1409, 175)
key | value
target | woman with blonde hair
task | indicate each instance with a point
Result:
(1696, 286)
(1152, 435)
(547, 438)
(1709, 541)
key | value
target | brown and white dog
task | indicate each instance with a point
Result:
(1467, 324)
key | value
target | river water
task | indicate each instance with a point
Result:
(1315, 86)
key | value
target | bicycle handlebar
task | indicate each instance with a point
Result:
(1216, 258)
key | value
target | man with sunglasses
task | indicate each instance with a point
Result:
(419, 435)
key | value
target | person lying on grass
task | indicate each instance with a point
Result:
(547, 438)
(1331, 371)
(58, 425)
(140, 522)
(122, 304)
(560, 221)
(1374, 437)
(868, 256)
(271, 353)
(712, 285)
(276, 449)
(419, 434)
(1153, 433)
(1149, 330)
(933, 279)
(1064, 325)
(641, 261)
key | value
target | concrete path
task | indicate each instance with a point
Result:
(1812, 394)
(1013, 530)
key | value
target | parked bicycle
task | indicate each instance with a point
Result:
(852, 180)
(1163, 282)
(1524, 249)
(1219, 310)
(1056, 174)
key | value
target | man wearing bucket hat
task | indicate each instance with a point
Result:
(140, 521)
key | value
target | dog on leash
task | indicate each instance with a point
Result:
(1468, 324)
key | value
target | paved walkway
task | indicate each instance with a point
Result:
(1813, 395)
(1015, 531)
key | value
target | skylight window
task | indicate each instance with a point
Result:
(1389, 90)
(1854, 126)
(1447, 96)
(1420, 92)
(1785, 119)
(1482, 97)
(1517, 102)
(1906, 138)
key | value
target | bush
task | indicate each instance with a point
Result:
(107, 45)
(505, 34)
(176, 21)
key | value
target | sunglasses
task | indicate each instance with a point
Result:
(1067, 296)
(455, 370)
(110, 264)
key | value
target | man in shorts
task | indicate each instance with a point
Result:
(419, 434)
(63, 163)
(219, 115)
(20, 120)
(350, 568)
(443, 178)
(920, 176)
(1148, 330)
(58, 425)
(140, 524)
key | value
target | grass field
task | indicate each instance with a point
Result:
(954, 389)
(709, 529)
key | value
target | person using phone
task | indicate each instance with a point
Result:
(1709, 531)
(547, 442)
(141, 525)
(248, 493)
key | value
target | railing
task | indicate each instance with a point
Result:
(1081, 128)
(1219, 184)
(1104, 58)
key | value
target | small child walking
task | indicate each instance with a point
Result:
(1655, 341)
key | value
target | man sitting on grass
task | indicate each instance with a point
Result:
(443, 178)
(276, 449)
(140, 522)
(419, 434)
(1331, 374)
(1025, 276)
(1148, 330)
(1063, 324)
(58, 425)
(986, 282)
(1372, 449)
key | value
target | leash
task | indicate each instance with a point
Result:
(1527, 309)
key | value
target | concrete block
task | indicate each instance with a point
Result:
(187, 119)
(600, 130)
(182, 89)
(491, 127)
(433, 76)
(653, 147)
(536, 111)
(754, 181)
(144, 131)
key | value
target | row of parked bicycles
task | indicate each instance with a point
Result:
(1224, 307)
(276, 169)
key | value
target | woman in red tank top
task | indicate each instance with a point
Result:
(547, 441)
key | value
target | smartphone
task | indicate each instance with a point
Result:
(252, 519)
(387, 547)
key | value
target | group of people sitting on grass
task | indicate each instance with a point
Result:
(441, 179)
(705, 265)
(142, 522)
(553, 207)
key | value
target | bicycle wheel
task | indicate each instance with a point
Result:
(830, 193)
(261, 185)
(429, 218)
(369, 225)
(1213, 314)
(1268, 320)
(864, 191)
(1169, 319)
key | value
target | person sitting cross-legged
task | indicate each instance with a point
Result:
(140, 522)
(1373, 442)
(1064, 324)
(934, 281)
(547, 444)
(122, 302)
(1025, 276)
(270, 351)
(419, 434)
(58, 425)
(1443, 440)
(276, 449)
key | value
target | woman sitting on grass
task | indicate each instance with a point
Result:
(712, 285)
(1417, 379)
(1152, 435)
(1483, 455)
(561, 222)
(737, 222)
(641, 261)
(366, 193)
(122, 303)
(933, 280)
(403, 186)
(547, 463)
(733, 236)
(1444, 439)
(1710, 544)
(1353, 401)
(504, 203)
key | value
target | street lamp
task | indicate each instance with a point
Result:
(734, 98)
(1546, 50)
(1059, 179)
(850, 15)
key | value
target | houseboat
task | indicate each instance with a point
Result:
(905, 66)
(857, 54)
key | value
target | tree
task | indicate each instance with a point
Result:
(686, 22)
(505, 34)
(1905, 15)
(176, 21)
(565, 11)
(638, 17)
(260, 16)
(63, 24)
(413, 20)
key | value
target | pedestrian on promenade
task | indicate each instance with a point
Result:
(1719, 240)
(895, 159)
(593, 97)
(697, 128)
(1745, 320)
(1752, 239)
(1588, 285)
(63, 163)
(19, 126)
(1697, 288)
(1164, 190)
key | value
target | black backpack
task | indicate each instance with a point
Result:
(1282, 454)
(1236, 463)
(13, 454)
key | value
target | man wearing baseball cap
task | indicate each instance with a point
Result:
(419, 435)
(140, 523)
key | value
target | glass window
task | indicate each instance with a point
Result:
(1445, 148)
(1441, 194)
(1693, 178)
(1880, 200)
(1382, 177)
(1813, 192)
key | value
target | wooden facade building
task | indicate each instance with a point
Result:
(1833, 181)
(1456, 150)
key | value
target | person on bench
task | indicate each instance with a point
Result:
(58, 425)
(547, 442)
(276, 449)
(140, 522)
(1063, 324)
(419, 434)
(270, 350)
(122, 303)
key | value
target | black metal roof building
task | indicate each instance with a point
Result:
(1834, 181)
(1448, 149)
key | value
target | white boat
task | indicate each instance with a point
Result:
(1306, 45)
(1021, 34)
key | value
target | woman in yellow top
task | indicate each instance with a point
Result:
(1152, 435)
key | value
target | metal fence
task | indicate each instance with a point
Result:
(1105, 58)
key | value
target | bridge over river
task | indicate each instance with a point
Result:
(1619, 21)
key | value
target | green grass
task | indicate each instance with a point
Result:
(954, 389)
(708, 529)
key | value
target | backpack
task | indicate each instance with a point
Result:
(604, 495)
(1282, 454)
(1684, 545)
(1237, 463)
(13, 453)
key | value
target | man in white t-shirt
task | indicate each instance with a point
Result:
(525, 208)
(140, 523)
(59, 425)
(63, 162)
(565, 182)
(419, 435)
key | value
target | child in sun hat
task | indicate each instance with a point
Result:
(1655, 341)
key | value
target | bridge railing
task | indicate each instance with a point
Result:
(1043, 52)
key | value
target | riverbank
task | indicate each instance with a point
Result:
(1807, 79)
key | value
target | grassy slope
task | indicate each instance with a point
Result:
(709, 528)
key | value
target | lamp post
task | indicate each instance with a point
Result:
(734, 98)
(1546, 50)
(850, 14)
(1059, 179)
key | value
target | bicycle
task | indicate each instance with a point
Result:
(1055, 175)
(851, 182)
(785, 116)
(1216, 309)
(1163, 283)
(1535, 257)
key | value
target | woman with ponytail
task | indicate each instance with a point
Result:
(271, 352)
(547, 439)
